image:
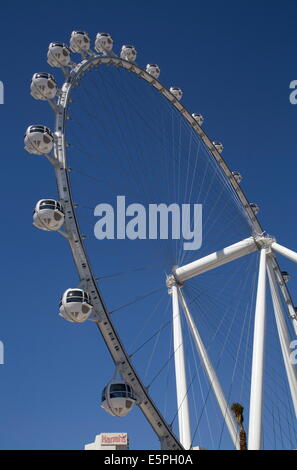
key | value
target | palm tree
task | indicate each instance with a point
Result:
(237, 410)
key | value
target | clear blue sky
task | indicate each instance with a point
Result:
(234, 61)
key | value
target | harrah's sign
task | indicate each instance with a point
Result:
(114, 438)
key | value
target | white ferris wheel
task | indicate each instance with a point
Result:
(123, 138)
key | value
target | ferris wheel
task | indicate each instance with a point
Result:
(130, 163)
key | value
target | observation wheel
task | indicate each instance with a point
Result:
(173, 264)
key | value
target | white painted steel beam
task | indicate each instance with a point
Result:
(215, 259)
(283, 333)
(180, 374)
(210, 371)
(286, 295)
(282, 250)
(256, 395)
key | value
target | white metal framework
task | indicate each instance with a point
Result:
(256, 400)
(180, 275)
(180, 372)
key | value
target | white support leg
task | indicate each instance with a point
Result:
(292, 255)
(214, 382)
(256, 397)
(215, 259)
(282, 250)
(180, 374)
(283, 333)
(286, 294)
